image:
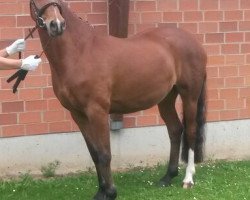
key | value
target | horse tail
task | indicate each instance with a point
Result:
(200, 136)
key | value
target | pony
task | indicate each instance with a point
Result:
(94, 76)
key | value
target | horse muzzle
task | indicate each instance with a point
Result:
(56, 27)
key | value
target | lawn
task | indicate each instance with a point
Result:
(214, 181)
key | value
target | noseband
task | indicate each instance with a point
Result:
(38, 11)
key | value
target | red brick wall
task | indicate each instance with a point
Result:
(223, 26)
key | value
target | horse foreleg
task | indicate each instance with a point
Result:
(102, 159)
(95, 129)
(174, 126)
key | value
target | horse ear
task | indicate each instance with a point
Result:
(38, 6)
(32, 12)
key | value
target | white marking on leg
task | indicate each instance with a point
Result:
(190, 170)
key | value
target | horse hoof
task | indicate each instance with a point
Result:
(103, 196)
(164, 181)
(100, 196)
(187, 185)
(163, 184)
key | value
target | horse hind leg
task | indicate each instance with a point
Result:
(174, 126)
(193, 136)
(189, 114)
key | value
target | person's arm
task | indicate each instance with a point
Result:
(3, 53)
(17, 46)
(29, 64)
(6, 63)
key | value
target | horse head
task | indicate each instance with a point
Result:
(48, 15)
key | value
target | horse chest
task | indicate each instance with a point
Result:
(64, 96)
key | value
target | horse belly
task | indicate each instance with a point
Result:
(127, 107)
(136, 97)
(144, 75)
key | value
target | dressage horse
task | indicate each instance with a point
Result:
(94, 76)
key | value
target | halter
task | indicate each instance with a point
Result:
(35, 10)
(38, 11)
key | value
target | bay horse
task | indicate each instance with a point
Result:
(94, 76)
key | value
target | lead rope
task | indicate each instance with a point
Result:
(21, 73)
(31, 31)
(45, 47)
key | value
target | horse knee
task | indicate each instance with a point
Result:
(100, 157)
(104, 159)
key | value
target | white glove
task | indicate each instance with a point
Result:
(30, 63)
(18, 45)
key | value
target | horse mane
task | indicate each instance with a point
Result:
(72, 19)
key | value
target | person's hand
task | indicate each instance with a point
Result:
(17, 46)
(30, 63)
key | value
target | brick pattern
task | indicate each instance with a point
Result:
(223, 26)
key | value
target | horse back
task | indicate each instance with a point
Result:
(189, 56)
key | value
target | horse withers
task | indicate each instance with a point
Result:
(94, 76)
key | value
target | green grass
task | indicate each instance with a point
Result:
(214, 181)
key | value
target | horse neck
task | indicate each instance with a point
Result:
(64, 49)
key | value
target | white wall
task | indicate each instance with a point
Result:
(130, 147)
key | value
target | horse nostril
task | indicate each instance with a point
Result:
(57, 27)
(63, 25)
(53, 25)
